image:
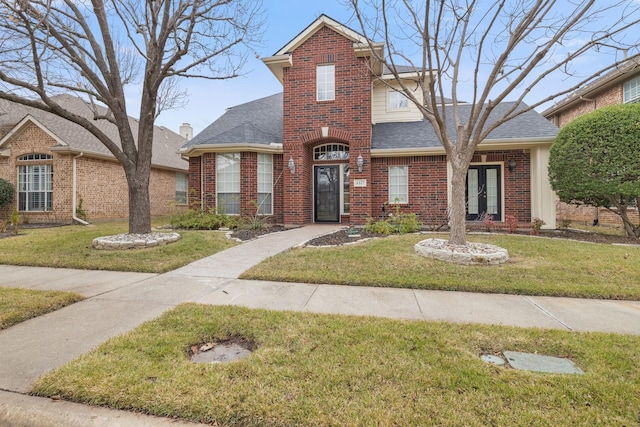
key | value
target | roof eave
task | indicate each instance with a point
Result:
(277, 64)
(198, 150)
(510, 143)
(109, 157)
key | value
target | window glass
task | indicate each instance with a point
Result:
(632, 91)
(181, 188)
(35, 187)
(346, 195)
(228, 183)
(331, 152)
(265, 184)
(325, 82)
(397, 101)
(398, 184)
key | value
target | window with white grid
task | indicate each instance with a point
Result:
(397, 101)
(398, 184)
(181, 188)
(228, 183)
(265, 184)
(35, 187)
(325, 82)
(632, 91)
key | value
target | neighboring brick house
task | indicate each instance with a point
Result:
(55, 165)
(338, 145)
(619, 86)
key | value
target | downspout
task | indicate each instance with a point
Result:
(73, 207)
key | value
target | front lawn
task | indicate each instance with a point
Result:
(70, 247)
(538, 266)
(322, 370)
(18, 305)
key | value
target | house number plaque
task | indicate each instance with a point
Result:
(359, 182)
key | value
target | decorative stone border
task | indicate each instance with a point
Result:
(134, 241)
(469, 254)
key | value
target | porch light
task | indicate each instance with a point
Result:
(360, 162)
(292, 165)
(512, 165)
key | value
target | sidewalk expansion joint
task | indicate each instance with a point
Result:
(546, 312)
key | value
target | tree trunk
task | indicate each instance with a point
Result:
(458, 205)
(630, 228)
(139, 202)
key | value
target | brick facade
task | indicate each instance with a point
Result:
(308, 123)
(100, 183)
(612, 95)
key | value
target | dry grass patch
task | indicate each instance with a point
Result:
(538, 266)
(70, 247)
(322, 370)
(18, 305)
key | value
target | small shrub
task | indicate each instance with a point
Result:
(6, 192)
(564, 223)
(512, 223)
(3, 226)
(396, 223)
(15, 219)
(80, 212)
(203, 220)
(487, 221)
(536, 225)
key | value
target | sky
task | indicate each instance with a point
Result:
(208, 99)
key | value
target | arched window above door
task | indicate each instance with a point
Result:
(331, 152)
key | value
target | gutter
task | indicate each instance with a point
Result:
(73, 207)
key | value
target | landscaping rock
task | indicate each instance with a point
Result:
(469, 254)
(134, 241)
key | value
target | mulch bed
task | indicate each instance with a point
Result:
(342, 237)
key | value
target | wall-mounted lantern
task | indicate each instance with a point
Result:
(512, 165)
(292, 166)
(360, 162)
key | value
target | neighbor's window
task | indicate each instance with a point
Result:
(398, 184)
(265, 184)
(181, 188)
(228, 183)
(35, 184)
(398, 101)
(325, 82)
(632, 91)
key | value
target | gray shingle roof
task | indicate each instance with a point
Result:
(165, 142)
(258, 122)
(421, 134)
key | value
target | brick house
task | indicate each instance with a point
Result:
(339, 145)
(55, 165)
(620, 86)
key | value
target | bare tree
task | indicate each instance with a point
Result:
(484, 52)
(96, 48)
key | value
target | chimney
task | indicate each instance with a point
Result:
(186, 131)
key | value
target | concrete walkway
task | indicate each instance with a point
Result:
(118, 302)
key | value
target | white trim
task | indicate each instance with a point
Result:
(198, 150)
(30, 119)
(496, 144)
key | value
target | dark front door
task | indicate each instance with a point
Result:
(484, 194)
(327, 194)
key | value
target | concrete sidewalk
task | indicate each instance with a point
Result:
(118, 302)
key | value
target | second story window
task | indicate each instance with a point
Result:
(325, 82)
(632, 91)
(397, 101)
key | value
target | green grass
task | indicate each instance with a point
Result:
(321, 370)
(70, 247)
(538, 266)
(18, 305)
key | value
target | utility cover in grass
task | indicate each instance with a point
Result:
(538, 363)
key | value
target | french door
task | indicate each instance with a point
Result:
(484, 192)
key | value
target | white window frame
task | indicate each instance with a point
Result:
(632, 91)
(35, 184)
(228, 183)
(265, 184)
(345, 190)
(397, 101)
(182, 188)
(326, 82)
(398, 185)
